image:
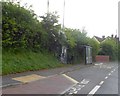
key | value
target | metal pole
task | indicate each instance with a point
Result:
(116, 32)
(47, 6)
(63, 13)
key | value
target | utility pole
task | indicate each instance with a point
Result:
(116, 32)
(47, 6)
(64, 48)
(63, 13)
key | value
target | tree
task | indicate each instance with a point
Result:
(70, 37)
(75, 39)
(51, 28)
(119, 50)
(20, 27)
(109, 47)
(95, 46)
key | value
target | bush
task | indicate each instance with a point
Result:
(109, 47)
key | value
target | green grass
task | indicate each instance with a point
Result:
(27, 61)
(0, 60)
(0, 63)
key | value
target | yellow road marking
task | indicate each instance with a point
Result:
(28, 78)
(73, 80)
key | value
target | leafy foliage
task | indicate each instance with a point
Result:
(95, 46)
(76, 39)
(51, 28)
(119, 51)
(109, 47)
(20, 28)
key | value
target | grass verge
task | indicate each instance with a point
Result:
(27, 61)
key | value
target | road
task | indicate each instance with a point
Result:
(100, 78)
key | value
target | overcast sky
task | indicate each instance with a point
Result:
(99, 17)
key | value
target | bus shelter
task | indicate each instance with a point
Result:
(88, 54)
(81, 55)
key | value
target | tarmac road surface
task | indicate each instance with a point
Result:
(100, 78)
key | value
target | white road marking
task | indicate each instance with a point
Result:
(96, 64)
(101, 82)
(75, 92)
(106, 77)
(111, 71)
(70, 93)
(73, 80)
(94, 90)
(84, 81)
(67, 89)
(79, 89)
(74, 89)
(101, 63)
(81, 86)
(109, 74)
(109, 67)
